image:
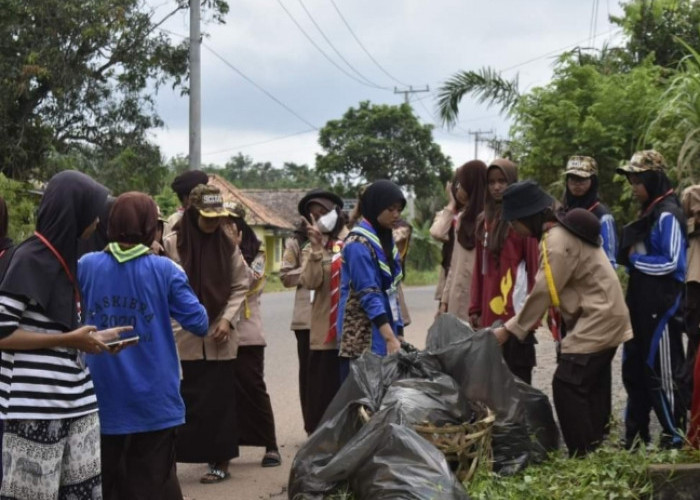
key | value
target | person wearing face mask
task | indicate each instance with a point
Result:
(369, 317)
(219, 277)
(320, 273)
(654, 250)
(504, 270)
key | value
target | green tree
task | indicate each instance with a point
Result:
(244, 172)
(373, 142)
(82, 74)
(22, 205)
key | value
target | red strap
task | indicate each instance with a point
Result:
(656, 200)
(62, 261)
(3, 253)
(336, 264)
(593, 207)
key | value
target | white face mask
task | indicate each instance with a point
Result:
(326, 223)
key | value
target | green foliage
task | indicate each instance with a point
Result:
(424, 252)
(486, 84)
(77, 73)
(374, 142)
(607, 473)
(167, 201)
(653, 28)
(584, 111)
(21, 206)
(243, 172)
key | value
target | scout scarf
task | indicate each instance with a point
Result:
(334, 246)
(389, 281)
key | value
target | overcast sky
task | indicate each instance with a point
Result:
(415, 42)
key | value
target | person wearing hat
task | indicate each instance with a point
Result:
(320, 273)
(581, 175)
(369, 315)
(183, 185)
(654, 250)
(575, 276)
(219, 277)
(138, 391)
(504, 269)
(256, 421)
(471, 190)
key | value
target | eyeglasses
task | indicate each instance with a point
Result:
(577, 180)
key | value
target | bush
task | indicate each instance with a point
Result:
(21, 205)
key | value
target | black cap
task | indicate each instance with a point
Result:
(315, 194)
(582, 223)
(523, 199)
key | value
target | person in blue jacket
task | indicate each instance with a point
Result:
(138, 390)
(654, 250)
(369, 316)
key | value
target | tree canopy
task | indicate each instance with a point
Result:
(374, 142)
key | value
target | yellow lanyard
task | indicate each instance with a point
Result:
(548, 273)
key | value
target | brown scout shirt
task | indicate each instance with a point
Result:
(591, 300)
(290, 270)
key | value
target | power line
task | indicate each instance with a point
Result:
(259, 143)
(337, 52)
(364, 48)
(323, 53)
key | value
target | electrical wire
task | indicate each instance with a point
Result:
(259, 143)
(323, 53)
(347, 25)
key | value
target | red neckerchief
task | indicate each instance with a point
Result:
(656, 201)
(61, 260)
(335, 246)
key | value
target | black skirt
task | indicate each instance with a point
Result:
(322, 384)
(210, 433)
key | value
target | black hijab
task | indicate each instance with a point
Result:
(99, 239)
(71, 202)
(250, 244)
(379, 196)
(586, 201)
(657, 184)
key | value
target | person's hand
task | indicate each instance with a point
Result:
(475, 320)
(157, 248)
(501, 335)
(451, 202)
(313, 233)
(393, 345)
(237, 236)
(222, 332)
(86, 339)
(109, 334)
(442, 309)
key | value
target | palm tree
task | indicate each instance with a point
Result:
(486, 84)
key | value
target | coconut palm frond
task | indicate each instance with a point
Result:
(486, 85)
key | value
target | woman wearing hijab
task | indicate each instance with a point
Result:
(654, 250)
(219, 277)
(471, 190)
(138, 390)
(256, 422)
(47, 397)
(369, 317)
(582, 192)
(504, 270)
(576, 276)
(290, 270)
(320, 273)
(443, 230)
(183, 185)
(98, 240)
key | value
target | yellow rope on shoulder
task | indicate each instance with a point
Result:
(548, 274)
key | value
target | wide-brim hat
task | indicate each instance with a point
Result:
(643, 161)
(523, 199)
(318, 194)
(581, 166)
(581, 223)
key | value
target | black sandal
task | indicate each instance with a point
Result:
(271, 458)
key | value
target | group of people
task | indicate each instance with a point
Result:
(513, 257)
(130, 343)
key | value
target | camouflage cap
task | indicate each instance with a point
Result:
(235, 209)
(643, 161)
(581, 166)
(208, 201)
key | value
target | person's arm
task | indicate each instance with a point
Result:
(608, 232)
(239, 286)
(311, 276)
(672, 242)
(540, 297)
(185, 308)
(290, 270)
(442, 224)
(362, 270)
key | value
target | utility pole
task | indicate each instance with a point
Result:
(479, 136)
(410, 90)
(195, 86)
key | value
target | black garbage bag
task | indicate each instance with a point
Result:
(387, 459)
(437, 401)
(524, 430)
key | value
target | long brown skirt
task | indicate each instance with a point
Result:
(256, 423)
(322, 384)
(210, 433)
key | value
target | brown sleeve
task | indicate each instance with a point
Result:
(290, 270)
(239, 286)
(441, 225)
(311, 269)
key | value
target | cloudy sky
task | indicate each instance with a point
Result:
(415, 43)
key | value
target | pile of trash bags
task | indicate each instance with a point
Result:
(385, 458)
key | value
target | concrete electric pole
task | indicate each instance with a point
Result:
(195, 152)
(410, 90)
(479, 136)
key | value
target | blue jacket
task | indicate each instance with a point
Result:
(138, 389)
(664, 249)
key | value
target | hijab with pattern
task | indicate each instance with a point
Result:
(472, 178)
(71, 203)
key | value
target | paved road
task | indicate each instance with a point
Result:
(249, 481)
